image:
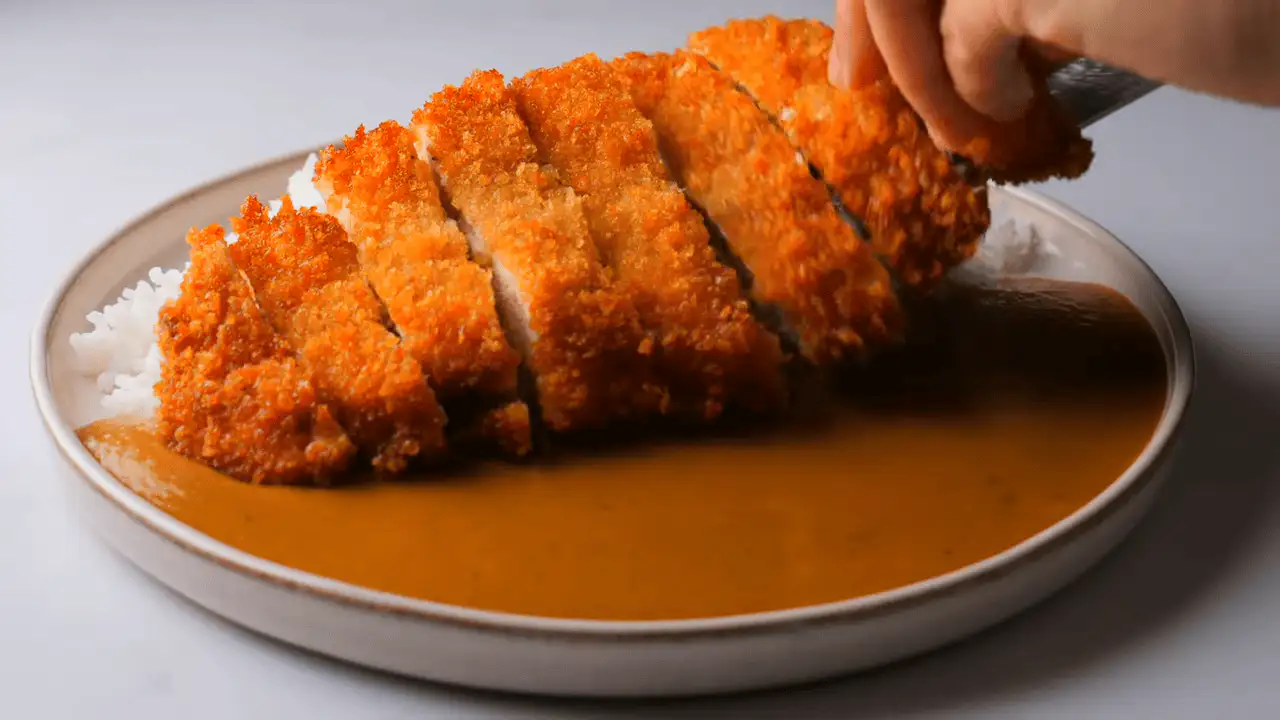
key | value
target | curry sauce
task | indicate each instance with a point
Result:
(1010, 408)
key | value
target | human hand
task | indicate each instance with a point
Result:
(963, 63)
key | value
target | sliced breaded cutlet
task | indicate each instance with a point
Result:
(710, 351)
(231, 393)
(307, 280)
(417, 261)
(924, 218)
(781, 61)
(579, 335)
(779, 221)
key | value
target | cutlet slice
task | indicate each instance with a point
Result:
(806, 262)
(710, 351)
(783, 63)
(868, 144)
(306, 277)
(579, 335)
(417, 261)
(231, 394)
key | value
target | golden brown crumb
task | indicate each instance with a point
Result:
(231, 394)
(709, 349)
(417, 261)
(581, 337)
(1044, 144)
(776, 59)
(509, 427)
(868, 143)
(776, 217)
(307, 280)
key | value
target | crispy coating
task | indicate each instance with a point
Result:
(776, 217)
(509, 428)
(778, 59)
(923, 216)
(231, 394)
(417, 260)
(307, 280)
(710, 349)
(1042, 145)
(582, 338)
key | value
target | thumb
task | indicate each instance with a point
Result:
(982, 46)
(854, 59)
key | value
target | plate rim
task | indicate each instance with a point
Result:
(1121, 491)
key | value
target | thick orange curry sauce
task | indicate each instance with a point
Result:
(1012, 408)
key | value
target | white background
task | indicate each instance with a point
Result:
(109, 108)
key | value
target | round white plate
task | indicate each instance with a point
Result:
(570, 657)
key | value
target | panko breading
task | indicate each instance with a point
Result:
(1044, 144)
(417, 261)
(509, 427)
(580, 336)
(307, 280)
(869, 145)
(710, 349)
(777, 60)
(776, 217)
(231, 394)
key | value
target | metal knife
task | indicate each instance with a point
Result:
(1092, 90)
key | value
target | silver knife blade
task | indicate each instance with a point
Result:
(1091, 90)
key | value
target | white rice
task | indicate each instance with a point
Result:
(1011, 248)
(121, 353)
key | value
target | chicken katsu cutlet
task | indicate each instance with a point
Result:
(923, 217)
(710, 350)
(417, 260)
(231, 394)
(833, 295)
(580, 336)
(306, 278)
(783, 63)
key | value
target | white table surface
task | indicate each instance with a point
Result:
(108, 108)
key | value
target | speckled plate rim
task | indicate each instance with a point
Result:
(1181, 381)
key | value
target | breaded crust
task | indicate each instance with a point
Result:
(923, 216)
(779, 220)
(307, 280)
(231, 394)
(775, 59)
(582, 338)
(710, 351)
(418, 263)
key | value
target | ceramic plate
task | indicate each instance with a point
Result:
(568, 657)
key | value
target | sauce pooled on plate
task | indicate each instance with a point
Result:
(1011, 408)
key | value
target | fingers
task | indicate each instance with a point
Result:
(855, 60)
(907, 33)
(983, 58)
